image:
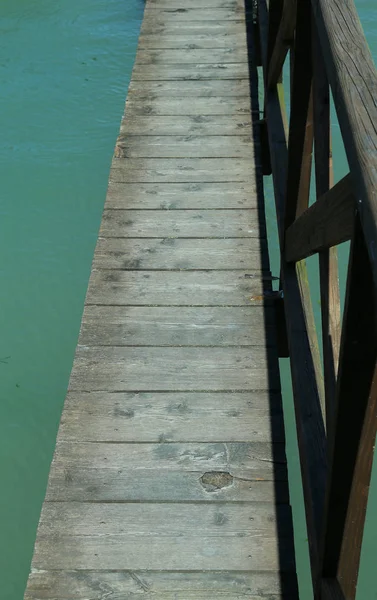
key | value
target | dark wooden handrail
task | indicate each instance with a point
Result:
(353, 80)
(335, 404)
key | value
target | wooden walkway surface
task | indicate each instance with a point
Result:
(169, 478)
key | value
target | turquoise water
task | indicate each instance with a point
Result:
(64, 71)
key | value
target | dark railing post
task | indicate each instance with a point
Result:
(355, 423)
(328, 259)
(335, 487)
(300, 142)
(275, 14)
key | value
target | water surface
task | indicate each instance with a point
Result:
(64, 72)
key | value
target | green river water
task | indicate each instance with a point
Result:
(64, 72)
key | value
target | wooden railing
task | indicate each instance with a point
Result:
(335, 404)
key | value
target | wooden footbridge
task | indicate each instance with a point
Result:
(169, 479)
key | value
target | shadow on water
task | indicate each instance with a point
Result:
(287, 563)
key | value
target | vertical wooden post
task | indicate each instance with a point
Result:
(256, 32)
(300, 146)
(328, 259)
(275, 13)
(355, 420)
(300, 141)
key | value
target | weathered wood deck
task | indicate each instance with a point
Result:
(169, 478)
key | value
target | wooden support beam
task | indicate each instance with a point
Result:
(327, 222)
(284, 40)
(353, 79)
(329, 590)
(275, 17)
(328, 258)
(305, 364)
(300, 142)
(352, 445)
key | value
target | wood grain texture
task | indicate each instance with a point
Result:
(353, 79)
(158, 72)
(182, 288)
(128, 369)
(198, 4)
(181, 170)
(97, 585)
(219, 105)
(195, 89)
(187, 125)
(179, 253)
(181, 196)
(161, 16)
(328, 222)
(177, 326)
(167, 56)
(181, 223)
(172, 416)
(169, 472)
(184, 147)
(200, 41)
(103, 536)
(192, 28)
(169, 478)
(87, 519)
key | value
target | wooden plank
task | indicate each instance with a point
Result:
(187, 125)
(184, 147)
(181, 170)
(200, 71)
(353, 79)
(181, 196)
(328, 222)
(106, 552)
(143, 369)
(223, 40)
(160, 16)
(199, 326)
(180, 254)
(219, 29)
(197, 4)
(186, 106)
(196, 89)
(173, 417)
(181, 223)
(182, 288)
(133, 519)
(352, 445)
(167, 56)
(168, 472)
(90, 585)
(128, 485)
(103, 536)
